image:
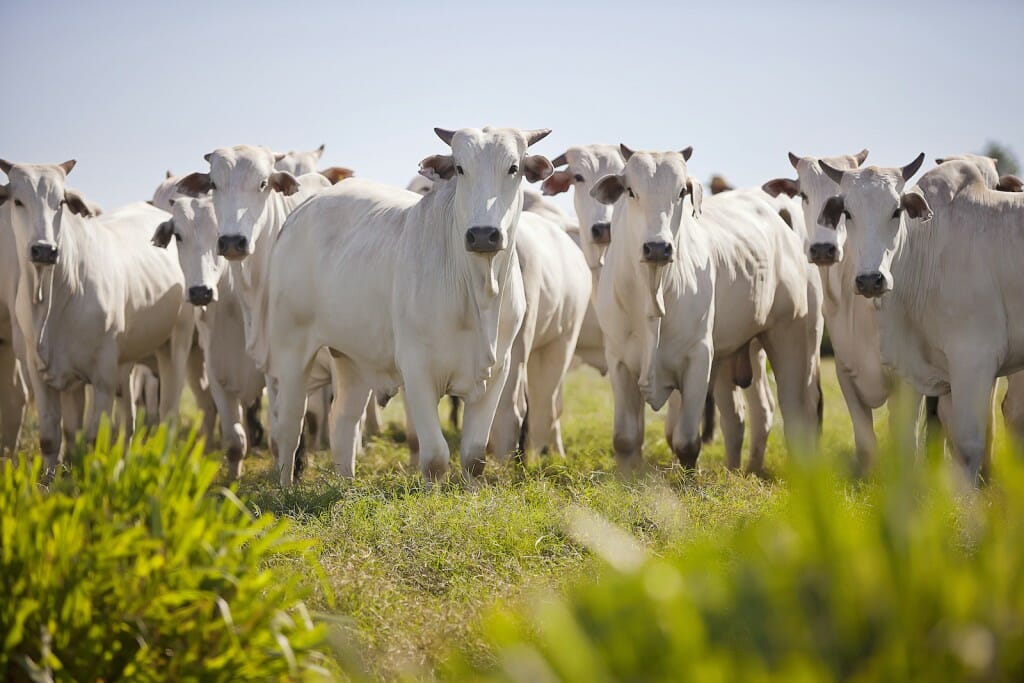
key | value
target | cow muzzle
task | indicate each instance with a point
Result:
(823, 254)
(657, 252)
(870, 285)
(43, 253)
(200, 295)
(233, 247)
(601, 233)
(484, 240)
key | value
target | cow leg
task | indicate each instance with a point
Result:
(760, 409)
(796, 376)
(103, 404)
(477, 419)
(287, 393)
(48, 405)
(1013, 405)
(72, 411)
(971, 384)
(126, 401)
(546, 371)
(730, 405)
(199, 384)
(234, 440)
(674, 407)
(421, 397)
(351, 396)
(411, 438)
(628, 430)
(686, 442)
(12, 398)
(374, 421)
(864, 439)
(317, 408)
(511, 409)
(172, 364)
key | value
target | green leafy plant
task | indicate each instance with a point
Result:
(913, 577)
(134, 565)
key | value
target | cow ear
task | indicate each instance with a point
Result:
(608, 189)
(785, 186)
(76, 203)
(336, 174)
(916, 206)
(319, 152)
(696, 192)
(284, 182)
(832, 212)
(687, 153)
(438, 167)
(67, 166)
(1010, 183)
(207, 156)
(6, 166)
(164, 233)
(195, 184)
(557, 183)
(719, 185)
(537, 167)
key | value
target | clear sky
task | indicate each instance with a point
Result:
(131, 89)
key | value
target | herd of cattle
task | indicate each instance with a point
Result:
(263, 274)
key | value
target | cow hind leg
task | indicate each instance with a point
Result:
(126, 401)
(547, 368)
(199, 384)
(730, 405)
(1013, 406)
(234, 440)
(172, 364)
(351, 396)
(972, 385)
(288, 406)
(796, 376)
(510, 413)
(760, 411)
(12, 398)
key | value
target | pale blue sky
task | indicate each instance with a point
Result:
(131, 89)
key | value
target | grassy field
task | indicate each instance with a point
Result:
(412, 569)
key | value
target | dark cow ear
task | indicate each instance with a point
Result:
(1010, 183)
(437, 167)
(687, 153)
(626, 152)
(284, 182)
(910, 169)
(785, 186)
(557, 183)
(916, 206)
(195, 184)
(76, 203)
(719, 185)
(336, 174)
(4, 194)
(794, 159)
(445, 135)
(834, 174)
(164, 233)
(939, 161)
(537, 167)
(207, 156)
(832, 212)
(6, 166)
(608, 189)
(861, 156)
(696, 192)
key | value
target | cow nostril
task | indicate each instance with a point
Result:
(470, 238)
(494, 237)
(647, 251)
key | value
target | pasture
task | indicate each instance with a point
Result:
(413, 570)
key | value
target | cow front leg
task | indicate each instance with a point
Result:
(233, 435)
(628, 434)
(511, 410)
(686, 441)
(126, 401)
(476, 422)
(421, 398)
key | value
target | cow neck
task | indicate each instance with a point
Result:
(252, 272)
(54, 289)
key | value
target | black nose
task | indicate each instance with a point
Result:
(601, 232)
(43, 253)
(233, 246)
(870, 285)
(824, 254)
(657, 252)
(200, 295)
(483, 239)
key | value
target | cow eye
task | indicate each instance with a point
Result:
(263, 185)
(896, 213)
(682, 193)
(578, 178)
(803, 197)
(458, 169)
(513, 169)
(17, 202)
(177, 237)
(630, 191)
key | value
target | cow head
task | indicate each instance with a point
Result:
(824, 245)
(298, 163)
(241, 181)
(653, 185)
(193, 224)
(583, 167)
(488, 166)
(40, 202)
(874, 205)
(988, 168)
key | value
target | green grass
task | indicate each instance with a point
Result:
(413, 569)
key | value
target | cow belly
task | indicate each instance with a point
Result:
(149, 328)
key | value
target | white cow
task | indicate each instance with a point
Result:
(96, 298)
(234, 380)
(945, 339)
(13, 388)
(251, 202)
(300, 163)
(685, 288)
(443, 271)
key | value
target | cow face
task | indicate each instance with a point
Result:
(242, 181)
(488, 166)
(584, 166)
(193, 226)
(874, 206)
(40, 202)
(824, 245)
(298, 163)
(653, 186)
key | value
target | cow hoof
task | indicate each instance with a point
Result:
(435, 470)
(687, 454)
(474, 467)
(301, 458)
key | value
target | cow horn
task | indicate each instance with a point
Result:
(861, 156)
(626, 151)
(67, 166)
(560, 160)
(794, 159)
(535, 136)
(834, 173)
(687, 153)
(910, 169)
(445, 135)
(6, 166)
